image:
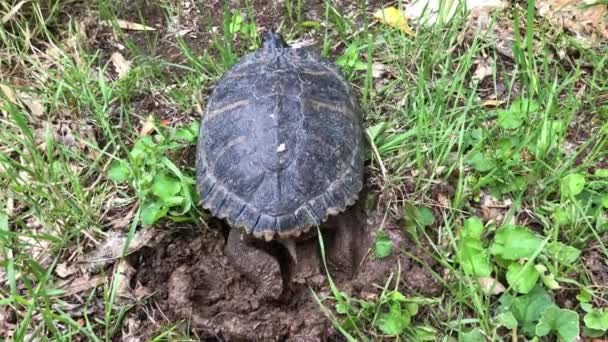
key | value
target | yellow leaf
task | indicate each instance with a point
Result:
(393, 17)
(127, 25)
(8, 16)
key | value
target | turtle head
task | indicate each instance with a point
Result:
(273, 40)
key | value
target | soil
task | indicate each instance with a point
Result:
(194, 281)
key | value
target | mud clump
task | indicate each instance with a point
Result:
(194, 281)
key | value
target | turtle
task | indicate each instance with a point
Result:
(280, 150)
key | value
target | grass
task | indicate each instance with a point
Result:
(441, 151)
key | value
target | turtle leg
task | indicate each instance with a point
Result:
(346, 248)
(255, 264)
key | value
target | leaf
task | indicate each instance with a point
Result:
(508, 119)
(119, 171)
(597, 319)
(602, 173)
(32, 103)
(605, 201)
(10, 14)
(127, 25)
(165, 187)
(561, 321)
(522, 278)
(121, 65)
(151, 212)
(584, 295)
(515, 242)
(376, 132)
(564, 254)
(573, 184)
(548, 279)
(524, 105)
(474, 335)
(507, 320)
(9, 93)
(185, 134)
(528, 308)
(393, 322)
(393, 17)
(491, 286)
(481, 162)
(588, 20)
(473, 256)
(384, 245)
(425, 216)
(561, 217)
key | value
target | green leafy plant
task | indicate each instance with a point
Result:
(384, 245)
(474, 258)
(162, 188)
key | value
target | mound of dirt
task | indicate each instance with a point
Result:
(195, 282)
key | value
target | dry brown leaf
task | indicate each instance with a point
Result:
(9, 93)
(483, 70)
(112, 248)
(588, 21)
(492, 209)
(64, 271)
(491, 286)
(379, 70)
(121, 65)
(127, 25)
(492, 103)
(124, 272)
(81, 284)
(10, 14)
(32, 103)
(148, 126)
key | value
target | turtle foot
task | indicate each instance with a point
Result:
(255, 264)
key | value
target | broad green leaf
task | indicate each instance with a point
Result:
(522, 278)
(548, 279)
(573, 184)
(508, 119)
(474, 335)
(473, 256)
(142, 148)
(563, 322)
(185, 134)
(584, 295)
(151, 212)
(376, 132)
(165, 187)
(473, 227)
(602, 173)
(119, 171)
(528, 308)
(515, 242)
(393, 322)
(561, 217)
(564, 254)
(605, 201)
(384, 245)
(507, 320)
(524, 105)
(425, 216)
(597, 319)
(481, 163)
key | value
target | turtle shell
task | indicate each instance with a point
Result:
(281, 144)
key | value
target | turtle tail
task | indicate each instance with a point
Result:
(273, 40)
